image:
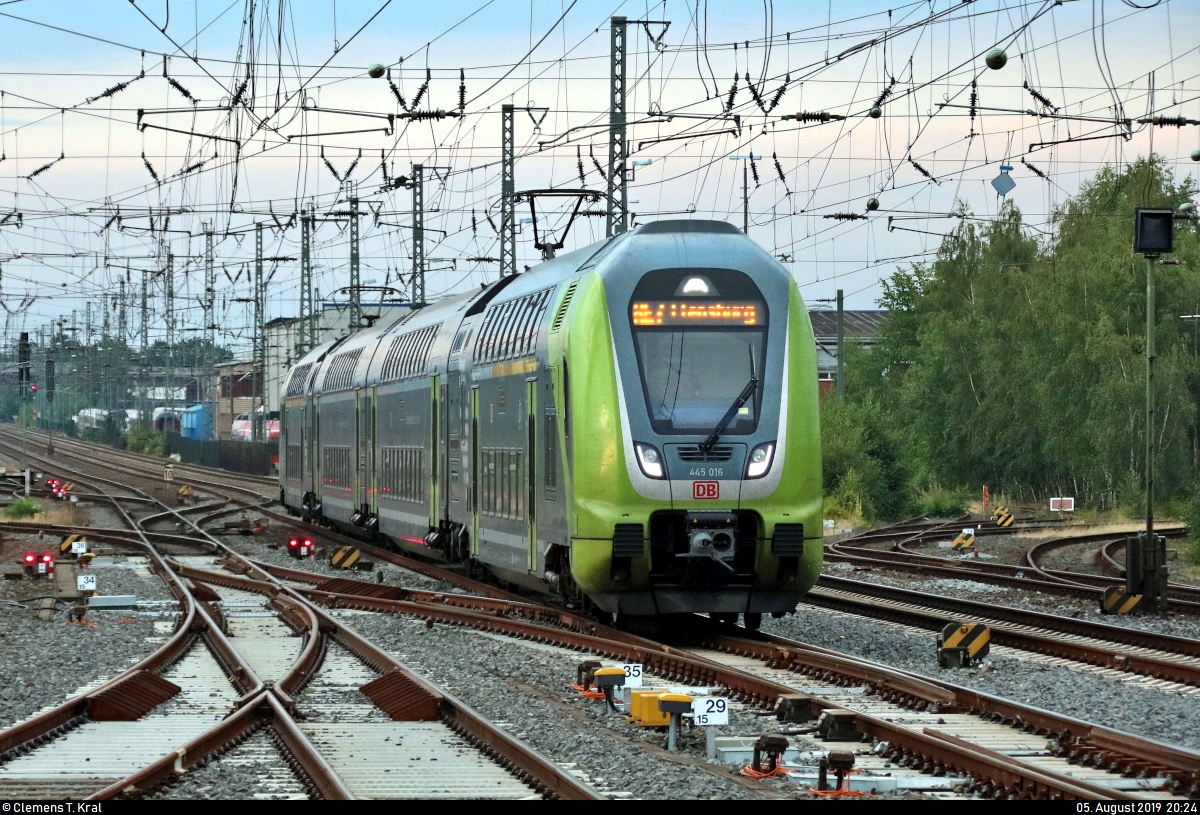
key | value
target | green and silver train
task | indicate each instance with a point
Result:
(632, 425)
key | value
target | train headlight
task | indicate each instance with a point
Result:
(650, 460)
(760, 460)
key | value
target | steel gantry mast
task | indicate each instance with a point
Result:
(508, 226)
(618, 149)
(210, 287)
(356, 320)
(418, 232)
(259, 340)
(307, 332)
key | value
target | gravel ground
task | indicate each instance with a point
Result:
(253, 769)
(258, 547)
(1135, 708)
(44, 663)
(118, 574)
(525, 689)
(1175, 624)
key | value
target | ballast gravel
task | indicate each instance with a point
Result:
(43, 663)
(253, 769)
(1134, 707)
(260, 548)
(525, 689)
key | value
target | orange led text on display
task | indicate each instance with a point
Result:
(692, 313)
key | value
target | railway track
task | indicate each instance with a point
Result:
(903, 538)
(891, 714)
(281, 641)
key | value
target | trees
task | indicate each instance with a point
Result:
(1015, 359)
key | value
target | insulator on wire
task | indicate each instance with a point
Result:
(1034, 93)
(421, 91)
(779, 93)
(755, 94)
(923, 171)
(186, 93)
(353, 164)
(474, 224)
(43, 168)
(120, 86)
(886, 93)
(1169, 121)
(1034, 170)
(579, 164)
(974, 101)
(732, 93)
(846, 216)
(330, 166)
(493, 223)
(421, 115)
(782, 177)
(383, 166)
(239, 93)
(754, 172)
(599, 169)
(462, 90)
(814, 116)
(191, 168)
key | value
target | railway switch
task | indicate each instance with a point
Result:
(674, 705)
(606, 679)
(961, 645)
(300, 547)
(768, 752)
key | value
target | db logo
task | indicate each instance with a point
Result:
(706, 490)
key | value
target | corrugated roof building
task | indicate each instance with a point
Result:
(861, 327)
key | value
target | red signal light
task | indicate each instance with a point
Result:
(33, 388)
(46, 558)
(308, 542)
(29, 558)
(293, 542)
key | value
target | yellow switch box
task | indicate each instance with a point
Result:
(643, 708)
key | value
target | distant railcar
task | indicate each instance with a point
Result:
(632, 425)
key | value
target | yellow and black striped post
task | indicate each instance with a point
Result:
(998, 511)
(345, 558)
(1118, 600)
(965, 540)
(960, 645)
(1004, 520)
(64, 548)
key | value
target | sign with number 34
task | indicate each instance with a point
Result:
(710, 710)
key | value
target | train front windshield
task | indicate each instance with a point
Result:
(700, 337)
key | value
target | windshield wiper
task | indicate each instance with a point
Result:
(743, 397)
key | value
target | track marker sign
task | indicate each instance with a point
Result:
(1062, 504)
(633, 674)
(85, 582)
(710, 711)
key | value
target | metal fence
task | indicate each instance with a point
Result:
(252, 458)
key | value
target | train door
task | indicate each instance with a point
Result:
(318, 477)
(475, 470)
(435, 481)
(531, 469)
(366, 447)
(444, 447)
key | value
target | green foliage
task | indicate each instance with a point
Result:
(1016, 359)
(141, 438)
(23, 508)
(1191, 516)
(938, 502)
(864, 472)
